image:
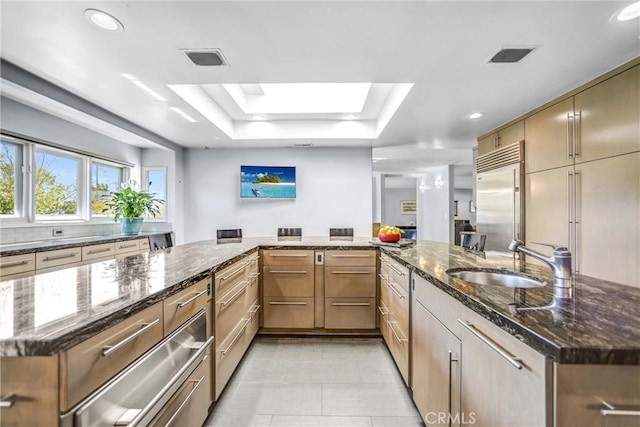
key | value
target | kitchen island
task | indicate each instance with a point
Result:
(47, 314)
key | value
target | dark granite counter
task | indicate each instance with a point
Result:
(599, 325)
(65, 243)
(48, 313)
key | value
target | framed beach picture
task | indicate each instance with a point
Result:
(407, 206)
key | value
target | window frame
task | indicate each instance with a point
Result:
(126, 175)
(145, 186)
(20, 167)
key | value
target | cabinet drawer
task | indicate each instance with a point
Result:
(398, 342)
(287, 257)
(254, 263)
(230, 309)
(350, 258)
(350, 281)
(144, 244)
(105, 250)
(17, 264)
(127, 246)
(253, 288)
(230, 276)
(397, 300)
(282, 312)
(398, 275)
(350, 313)
(229, 354)
(254, 324)
(189, 406)
(290, 281)
(180, 307)
(60, 257)
(94, 361)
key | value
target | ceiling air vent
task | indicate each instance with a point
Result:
(206, 58)
(509, 56)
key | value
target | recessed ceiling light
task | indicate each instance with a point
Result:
(350, 117)
(476, 115)
(103, 20)
(630, 12)
(257, 117)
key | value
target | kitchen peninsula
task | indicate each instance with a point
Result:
(596, 331)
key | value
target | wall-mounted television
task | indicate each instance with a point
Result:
(268, 182)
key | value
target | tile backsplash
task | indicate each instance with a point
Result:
(40, 233)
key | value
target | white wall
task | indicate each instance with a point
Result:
(333, 190)
(435, 204)
(392, 199)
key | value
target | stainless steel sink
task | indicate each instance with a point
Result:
(504, 278)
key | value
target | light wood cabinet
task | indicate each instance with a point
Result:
(57, 258)
(394, 292)
(607, 219)
(180, 307)
(98, 252)
(91, 363)
(127, 247)
(549, 137)
(16, 264)
(608, 115)
(288, 289)
(30, 388)
(502, 138)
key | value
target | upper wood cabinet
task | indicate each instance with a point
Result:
(607, 117)
(548, 136)
(503, 137)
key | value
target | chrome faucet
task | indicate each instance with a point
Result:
(560, 263)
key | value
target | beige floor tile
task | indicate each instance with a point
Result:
(315, 421)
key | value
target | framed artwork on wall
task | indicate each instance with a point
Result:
(407, 207)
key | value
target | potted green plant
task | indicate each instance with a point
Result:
(128, 204)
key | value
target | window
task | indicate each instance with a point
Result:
(105, 178)
(57, 184)
(155, 181)
(10, 178)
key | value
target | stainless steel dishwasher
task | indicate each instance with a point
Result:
(138, 394)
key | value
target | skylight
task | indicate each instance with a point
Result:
(299, 98)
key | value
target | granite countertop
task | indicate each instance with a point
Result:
(68, 242)
(599, 325)
(48, 313)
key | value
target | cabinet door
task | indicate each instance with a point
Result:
(504, 382)
(511, 134)
(487, 144)
(547, 201)
(609, 115)
(607, 219)
(435, 369)
(547, 135)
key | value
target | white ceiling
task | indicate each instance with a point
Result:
(439, 46)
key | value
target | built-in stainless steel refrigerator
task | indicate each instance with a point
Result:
(499, 198)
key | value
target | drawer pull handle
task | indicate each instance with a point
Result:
(55, 258)
(393, 288)
(233, 273)
(287, 303)
(393, 267)
(287, 272)
(383, 310)
(254, 309)
(107, 350)
(242, 287)
(193, 298)
(609, 409)
(482, 337)
(350, 256)
(289, 255)
(350, 304)
(127, 246)
(236, 338)
(395, 334)
(8, 400)
(14, 264)
(350, 272)
(98, 251)
(185, 401)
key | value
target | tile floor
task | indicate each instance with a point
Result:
(303, 382)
